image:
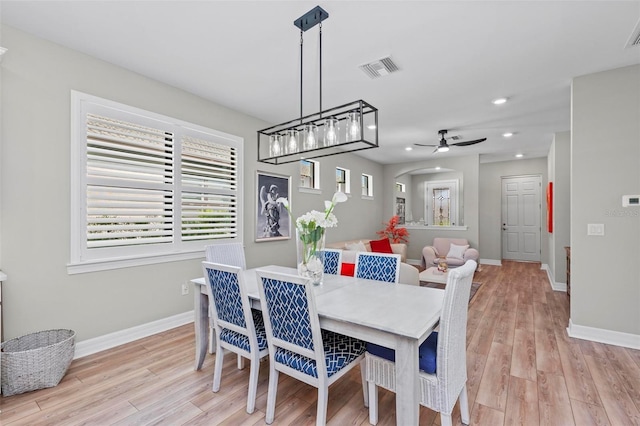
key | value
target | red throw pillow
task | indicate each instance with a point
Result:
(348, 269)
(381, 246)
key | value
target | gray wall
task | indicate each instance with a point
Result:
(560, 174)
(418, 238)
(605, 159)
(491, 203)
(37, 77)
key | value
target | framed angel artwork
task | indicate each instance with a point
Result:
(272, 218)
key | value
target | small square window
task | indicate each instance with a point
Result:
(367, 185)
(401, 187)
(309, 174)
(343, 180)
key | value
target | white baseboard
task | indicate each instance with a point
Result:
(603, 336)
(495, 262)
(117, 338)
(555, 286)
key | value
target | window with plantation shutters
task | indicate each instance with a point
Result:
(148, 188)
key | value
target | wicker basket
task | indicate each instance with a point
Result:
(36, 361)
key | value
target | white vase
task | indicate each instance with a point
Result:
(310, 253)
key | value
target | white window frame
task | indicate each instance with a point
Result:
(452, 185)
(401, 187)
(369, 194)
(315, 177)
(347, 180)
(82, 258)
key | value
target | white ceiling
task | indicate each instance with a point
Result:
(454, 58)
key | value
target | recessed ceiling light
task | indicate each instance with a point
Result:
(408, 148)
(499, 101)
(519, 155)
(437, 167)
(507, 135)
(371, 126)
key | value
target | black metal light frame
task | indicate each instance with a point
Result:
(366, 113)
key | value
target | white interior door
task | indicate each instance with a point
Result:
(521, 218)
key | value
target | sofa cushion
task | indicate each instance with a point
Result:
(456, 251)
(348, 269)
(381, 246)
(359, 246)
(442, 245)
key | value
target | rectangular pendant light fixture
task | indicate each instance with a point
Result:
(346, 128)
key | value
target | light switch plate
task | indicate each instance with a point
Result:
(595, 229)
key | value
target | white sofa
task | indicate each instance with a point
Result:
(409, 274)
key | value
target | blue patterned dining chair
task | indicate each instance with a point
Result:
(442, 357)
(378, 266)
(332, 261)
(238, 328)
(297, 345)
(225, 254)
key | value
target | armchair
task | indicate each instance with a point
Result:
(440, 248)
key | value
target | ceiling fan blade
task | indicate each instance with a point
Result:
(467, 143)
(421, 144)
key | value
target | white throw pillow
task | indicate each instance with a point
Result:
(457, 252)
(359, 246)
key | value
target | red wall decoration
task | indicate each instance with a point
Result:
(550, 207)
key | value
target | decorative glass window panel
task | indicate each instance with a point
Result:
(441, 207)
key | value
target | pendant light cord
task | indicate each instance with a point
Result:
(301, 42)
(320, 69)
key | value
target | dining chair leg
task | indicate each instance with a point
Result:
(373, 403)
(464, 405)
(363, 377)
(212, 340)
(323, 397)
(217, 369)
(253, 383)
(271, 394)
(240, 362)
(445, 419)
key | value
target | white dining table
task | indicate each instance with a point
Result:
(397, 316)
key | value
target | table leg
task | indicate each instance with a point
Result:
(407, 383)
(201, 322)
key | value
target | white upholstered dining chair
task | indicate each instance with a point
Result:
(226, 254)
(442, 357)
(377, 266)
(297, 345)
(238, 328)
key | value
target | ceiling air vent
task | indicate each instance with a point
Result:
(379, 68)
(634, 39)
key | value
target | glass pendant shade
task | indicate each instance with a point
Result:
(331, 127)
(275, 145)
(353, 127)
(310, 137)
(292, 141)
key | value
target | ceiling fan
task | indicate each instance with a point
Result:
(444, 146)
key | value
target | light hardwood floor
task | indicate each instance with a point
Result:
(522, 368)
